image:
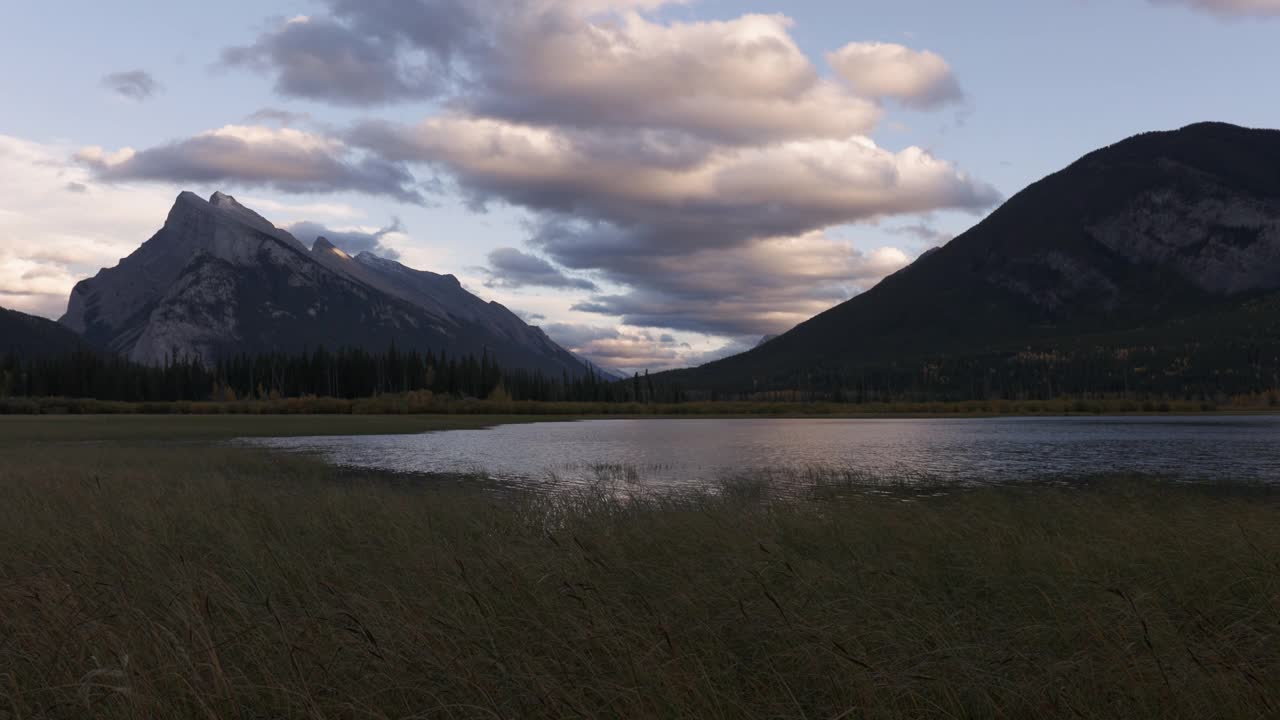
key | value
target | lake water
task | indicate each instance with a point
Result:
(695, 452)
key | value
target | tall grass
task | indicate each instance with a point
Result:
(426, 403)
(207, 582)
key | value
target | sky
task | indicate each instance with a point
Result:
(656, 183)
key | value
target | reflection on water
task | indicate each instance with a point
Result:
(691, 453)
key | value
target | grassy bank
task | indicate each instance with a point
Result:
(427, 404)
(19, 431)
(144, 581)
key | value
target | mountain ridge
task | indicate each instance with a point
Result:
(218, 278)
(32, 336)
(1151, 229)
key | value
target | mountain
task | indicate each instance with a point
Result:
(444, 297)
(30, 336)
(220, 279)
(1144, 240)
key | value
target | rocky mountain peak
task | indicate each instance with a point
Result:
(218, 278)
(221, 199)
(323, 246)
(222, 226)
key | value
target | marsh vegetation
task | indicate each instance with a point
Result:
(187, 579)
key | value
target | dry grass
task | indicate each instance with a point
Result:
(156, 581)
(26, 431)
(424, 403)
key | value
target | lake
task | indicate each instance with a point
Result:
(683, 453)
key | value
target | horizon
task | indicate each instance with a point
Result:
(706, 178)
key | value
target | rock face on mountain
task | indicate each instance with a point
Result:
(1135, 236)
(218, 278)
(29, 336)
(444, 297)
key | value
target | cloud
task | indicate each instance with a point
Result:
(924, 233)
(288, 211)
(585, 64)
(283, 118)
(52, 236)
(616, 348)
(709, 238)
(669, 194)
(324, 60)
(887, 71)
(736, 81)
(628, 350)
(692, 166)
(765, 288)
(284, 159)
(511, 268)
(1229, 8)
(352, 241)
(135, 85)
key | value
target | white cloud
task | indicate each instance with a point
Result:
(51, 237)
(725, 195)
(284, 213)
(888, 71)
(581, 63)
(739, 81)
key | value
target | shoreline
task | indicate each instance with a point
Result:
(159, 428)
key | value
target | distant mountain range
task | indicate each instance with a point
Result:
(220, 279)
(1167, 237)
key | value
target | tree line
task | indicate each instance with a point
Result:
(1210, 372)
(349, 373)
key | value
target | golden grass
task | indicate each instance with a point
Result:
(142, 580)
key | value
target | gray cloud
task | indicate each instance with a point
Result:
(49, 305)
(371, 52)
(511, 268)
(352, 242)
(136, 85)
(1229, 8)
(924, 233)
(75, 187)
(277, 116)
(766, 287)
(445, 29)
(321, 59)
(284, 159)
